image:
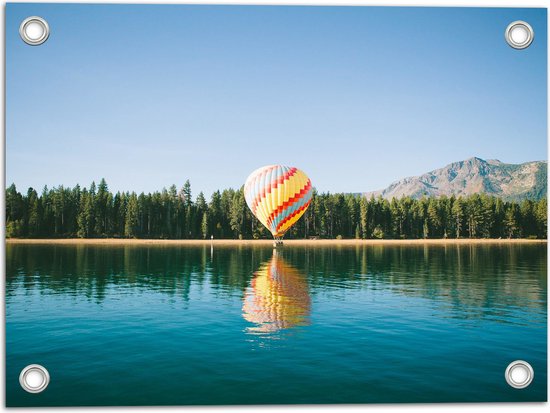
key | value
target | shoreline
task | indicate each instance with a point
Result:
(297, 242)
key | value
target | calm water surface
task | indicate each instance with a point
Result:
(158, 325)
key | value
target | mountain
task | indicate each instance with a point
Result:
(475, 175)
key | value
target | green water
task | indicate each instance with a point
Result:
(156, 325)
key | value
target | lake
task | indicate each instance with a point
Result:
(170, 325)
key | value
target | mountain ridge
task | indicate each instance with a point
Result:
(508, 181)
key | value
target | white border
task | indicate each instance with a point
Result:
(414, 408)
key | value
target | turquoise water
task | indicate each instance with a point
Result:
(158, 325)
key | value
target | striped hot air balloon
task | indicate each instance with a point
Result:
(278, 196)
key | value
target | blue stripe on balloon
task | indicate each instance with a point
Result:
(285, 213)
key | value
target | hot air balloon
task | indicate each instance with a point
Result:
(278, 196)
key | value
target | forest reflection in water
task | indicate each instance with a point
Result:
(277, 289)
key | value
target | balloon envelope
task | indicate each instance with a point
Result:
(278, 196)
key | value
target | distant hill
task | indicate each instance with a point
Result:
(475, 175)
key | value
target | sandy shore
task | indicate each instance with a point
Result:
(301, 242)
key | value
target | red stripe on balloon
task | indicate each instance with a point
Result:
(299, 210)
(290, 202)
(271, 186)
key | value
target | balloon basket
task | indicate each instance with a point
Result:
(277, 243)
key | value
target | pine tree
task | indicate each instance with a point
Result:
(363, 212)
(101, 208)
(541, 217)
(204, 225)
(511, 221)
(34, 213)
(458, 215)
(215, 216)
(434, 220)
(131, 224)
(475, 214)
(58, 206)
(488, 213)
(85, 214)
(397, 218)
(528, 223)
(498, 218)
(186, 194)
(15, 213)
(236, 213)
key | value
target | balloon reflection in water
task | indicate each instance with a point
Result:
(277, 298)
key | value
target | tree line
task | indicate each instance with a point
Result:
(95, 212)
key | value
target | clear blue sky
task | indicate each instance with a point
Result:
(357, 97)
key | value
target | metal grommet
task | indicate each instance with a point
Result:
(34, 378)
(519, 34)
(34, 30)
(519, 374)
